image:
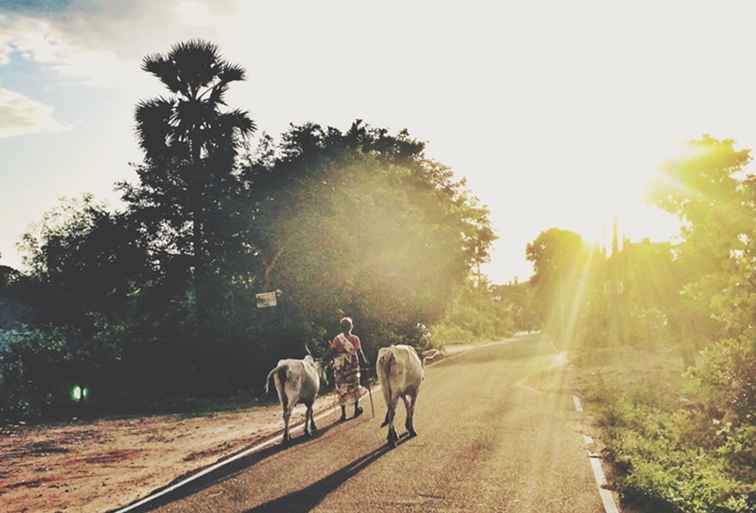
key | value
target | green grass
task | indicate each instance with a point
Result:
(669, 453)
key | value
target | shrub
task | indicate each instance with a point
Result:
(725, 379)
(39, 367)
(32, 366)
(689, 453)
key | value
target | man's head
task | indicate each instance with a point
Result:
(346, 324)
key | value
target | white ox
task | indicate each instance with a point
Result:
(400, 372)
(297, 381)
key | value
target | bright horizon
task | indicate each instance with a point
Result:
(557, 115)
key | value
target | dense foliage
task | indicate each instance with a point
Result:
(684, 444)
(686, 447)
(158, 299)
(482, 311)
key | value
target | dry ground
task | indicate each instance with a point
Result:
(95, 466)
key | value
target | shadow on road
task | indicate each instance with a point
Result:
(307, 498)
(228, 471)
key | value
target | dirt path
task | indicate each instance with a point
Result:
(94, 466)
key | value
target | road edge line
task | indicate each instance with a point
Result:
(606, 496)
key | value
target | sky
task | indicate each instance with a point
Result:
(557, 113)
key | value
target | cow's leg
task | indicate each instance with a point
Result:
(392, 436)
(390, 412)
(309, 420)
(408, 414)
(409, 404)
(313, 427)
(386, 418)
(286, 417)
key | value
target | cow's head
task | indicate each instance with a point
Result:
(320, 365)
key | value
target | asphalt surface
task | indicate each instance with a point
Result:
(486, 443)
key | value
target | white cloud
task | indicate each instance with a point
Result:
(21, 115)
(103, 43)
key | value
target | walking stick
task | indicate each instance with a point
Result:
(370, 395)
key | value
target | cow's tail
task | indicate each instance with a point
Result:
(385, 361)
(281, 372)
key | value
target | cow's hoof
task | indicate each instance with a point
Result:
(412, 433)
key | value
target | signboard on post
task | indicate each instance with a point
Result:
(266, 299)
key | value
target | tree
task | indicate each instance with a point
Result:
(518, 298)
(713, 195)
(187, 181)
(8, 275)
(560, 260)
(361, 221)
(83, 259)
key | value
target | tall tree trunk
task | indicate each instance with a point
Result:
(199, 266)
(200, 270)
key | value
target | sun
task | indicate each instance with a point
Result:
(619, 195)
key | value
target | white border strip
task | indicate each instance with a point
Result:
(263, 445)
(607, 499)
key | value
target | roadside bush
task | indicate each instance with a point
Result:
(685, 447)
(725, 380)
(39, 367)
(32, 365)
(476, 314)
(664, 465)
(444, 334)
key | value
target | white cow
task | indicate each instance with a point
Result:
(400, 372)
(297, 381)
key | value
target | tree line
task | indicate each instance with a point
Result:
(687, 294)
(684, 444)
(158, 298)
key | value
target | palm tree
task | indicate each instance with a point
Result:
(187, 137)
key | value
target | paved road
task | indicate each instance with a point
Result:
(485, 444)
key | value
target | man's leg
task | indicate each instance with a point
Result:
(357, 409)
